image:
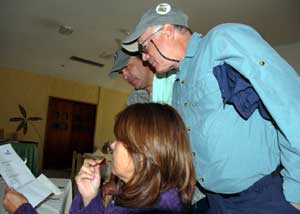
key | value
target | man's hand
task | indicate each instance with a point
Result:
(297, 206)
(88, 180)
(12, 200)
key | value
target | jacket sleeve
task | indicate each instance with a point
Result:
(25, 209)
(277, 85)
(94, 207)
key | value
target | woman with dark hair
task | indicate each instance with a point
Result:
(151, 157)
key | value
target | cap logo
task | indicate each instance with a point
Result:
(163, 8)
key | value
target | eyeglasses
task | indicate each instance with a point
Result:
(143, 45)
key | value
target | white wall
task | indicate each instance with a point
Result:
(291, 53)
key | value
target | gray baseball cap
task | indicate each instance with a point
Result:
(120, 61)
(162, 14)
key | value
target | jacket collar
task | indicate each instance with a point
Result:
(193, 44)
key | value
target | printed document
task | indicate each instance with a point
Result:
(17, 175)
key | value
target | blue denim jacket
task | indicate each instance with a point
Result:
(231, 152)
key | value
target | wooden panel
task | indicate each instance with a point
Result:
(83, 123)
(70, 126)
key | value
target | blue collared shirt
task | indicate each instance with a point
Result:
(162, 87)
(230, 152)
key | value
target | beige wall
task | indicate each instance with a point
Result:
(32, 91)
(109, 105)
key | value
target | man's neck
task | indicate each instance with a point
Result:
(183, 42)
(149, 89)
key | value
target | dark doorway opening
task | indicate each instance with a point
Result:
(70, 126)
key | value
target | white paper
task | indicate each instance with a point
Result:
(17, 175)
(49, 184)
(12, 168)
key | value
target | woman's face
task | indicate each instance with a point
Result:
(123, 166)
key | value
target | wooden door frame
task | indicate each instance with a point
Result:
(72, 101)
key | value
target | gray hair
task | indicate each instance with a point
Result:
(179, 28)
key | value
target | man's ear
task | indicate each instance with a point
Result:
(168, 30)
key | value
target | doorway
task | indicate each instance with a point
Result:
(70, 126)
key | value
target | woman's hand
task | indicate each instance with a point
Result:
(12, 200)
(88, 180)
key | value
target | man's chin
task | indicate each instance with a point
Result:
(139, 88)
(135, 86)
(162, 70)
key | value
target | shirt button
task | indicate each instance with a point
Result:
(182, 82)
(185, 104)
(201, 180)
(189, 129)
(194, 154)
(262, 62)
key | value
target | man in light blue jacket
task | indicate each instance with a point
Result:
(240, 102)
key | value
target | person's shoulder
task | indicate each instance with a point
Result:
(170, 195)
(138, 91)
(138, 96)
(230, 28)
(170, 199)
(228, 32)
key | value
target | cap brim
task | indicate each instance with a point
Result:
(116, 69)
(121, 61)
(131, 47)
(130, 43)
(120, 66)
(113, 74)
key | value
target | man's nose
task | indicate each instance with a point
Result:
(125, 74)
(145, 56)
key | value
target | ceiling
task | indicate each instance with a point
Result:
(29, 37)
